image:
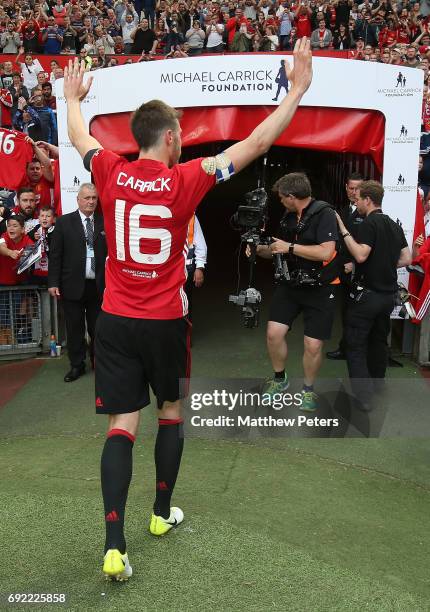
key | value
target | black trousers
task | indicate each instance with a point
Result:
(344, 291)
(366, 335)
(188, 288)
(75, 314)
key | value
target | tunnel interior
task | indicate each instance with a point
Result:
(227, 268)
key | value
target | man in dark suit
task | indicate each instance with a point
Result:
(76, 274)
(352, 221)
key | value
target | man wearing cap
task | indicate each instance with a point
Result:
(396, 57)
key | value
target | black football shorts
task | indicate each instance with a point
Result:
(133, 354)
(316, 303)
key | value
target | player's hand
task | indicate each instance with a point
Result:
(199, 277)
(74, 88)
(279, 246)
(301, 74)
(419, 241)
(348, 267)
(15, 254)
(30, 141)
(54, 292)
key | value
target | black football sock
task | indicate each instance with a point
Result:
(167, 455)
(116, 469)
(280, 375)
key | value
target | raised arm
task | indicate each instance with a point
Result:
(268, 131)
(75, 91)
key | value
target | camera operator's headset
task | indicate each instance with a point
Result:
(331, 268)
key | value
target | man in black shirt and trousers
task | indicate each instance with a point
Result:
(352, 220)
(379, 249)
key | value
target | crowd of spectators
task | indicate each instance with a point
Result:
(378, 30)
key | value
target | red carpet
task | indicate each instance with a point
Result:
(15, 375)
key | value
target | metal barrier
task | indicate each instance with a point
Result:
(25, 321)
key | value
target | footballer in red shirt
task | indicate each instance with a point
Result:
(141, 336)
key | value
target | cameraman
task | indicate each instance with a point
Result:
(379, 249)
(310, 233)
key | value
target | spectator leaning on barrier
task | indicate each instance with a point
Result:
(342, 39)
(322, 37)
(43, 230)
(12, 243)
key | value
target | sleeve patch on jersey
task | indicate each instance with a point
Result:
(224, 168)
(220, 165)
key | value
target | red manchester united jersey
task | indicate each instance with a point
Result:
(146, 208)
(15, 153)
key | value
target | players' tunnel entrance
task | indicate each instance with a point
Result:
(327, 172)
(206, 132)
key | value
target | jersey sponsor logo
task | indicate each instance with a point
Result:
(160, 184)
(140, 273)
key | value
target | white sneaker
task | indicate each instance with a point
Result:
(116, 566)
(160, 526)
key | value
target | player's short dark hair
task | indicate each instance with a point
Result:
(355, 176)
(150, 120)
(372, 190)
(296, 184)
(18, 218)
(24, 190)
(47, 84)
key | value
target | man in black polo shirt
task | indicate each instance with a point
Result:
(310, 233)
(379, 249)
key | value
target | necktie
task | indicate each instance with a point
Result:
(90, 241)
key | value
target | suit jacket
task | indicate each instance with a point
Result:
(67, 257)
